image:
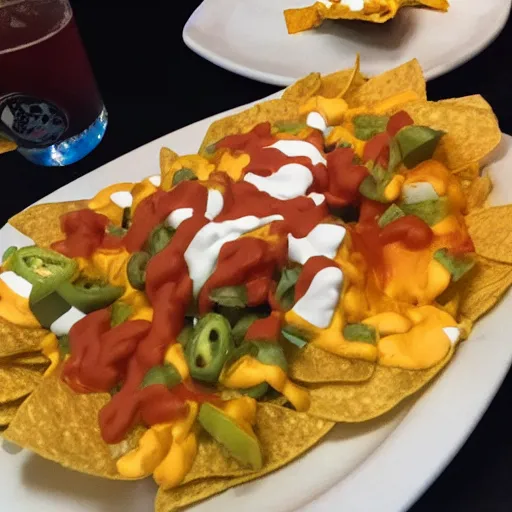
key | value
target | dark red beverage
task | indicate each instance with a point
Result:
(47, 89)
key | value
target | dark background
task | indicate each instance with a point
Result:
(153, 84)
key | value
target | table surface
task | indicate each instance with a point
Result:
(153, 84)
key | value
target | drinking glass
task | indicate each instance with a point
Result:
(49, 101)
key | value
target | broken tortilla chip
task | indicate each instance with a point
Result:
(18, 381)
(8, 410)
(41, 222)
(296, 434)
(336, 85)
(490, 230)
(16, 340)
(167, 158)
(478, 192)
(271, 111)
(314, 365)
(303, 89)
(353, 403)
(62, 426)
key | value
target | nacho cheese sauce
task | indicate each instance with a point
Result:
(268, 209)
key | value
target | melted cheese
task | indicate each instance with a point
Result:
(14, 305)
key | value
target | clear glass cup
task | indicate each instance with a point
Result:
(49, 101)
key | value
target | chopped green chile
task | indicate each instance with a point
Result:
(209, 348)
(343, 144)
(120, 313)
(64, 348)
(292, 128)
(185, 335)
(230, 296)
(241, 327)
(245, 349)
(88, 295)
(116, 231)
(127, 218)
(395, 155)
(285, 291)
(165, 374)
(360, 332)
(373, 186)
(391, 214)
(43, 268)
(256, 392)
(184, 174)
(367, 126)
(417, 144)
(159, 239)
(294, 338)
(431, 211)
(271, 354)
(458, 266)
(10, 251)
(136, 269)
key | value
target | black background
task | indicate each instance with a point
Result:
(153, 84)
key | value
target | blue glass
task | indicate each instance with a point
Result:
(70, 150)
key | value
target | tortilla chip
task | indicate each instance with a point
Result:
(353, 403)
(468, 172)
(31, 359)
(471, 133)
(62, 426)
(407, 77)
(7, 145)
(16, 340)
(167, 158)
(8, 411)
(41, 222)
(474, 101)
(272, 111)
(284, 435)
(314, 365)
(478, 192)
(337, 84)
(490, 230)
(303, 89)
(483, 288)
(18, 381)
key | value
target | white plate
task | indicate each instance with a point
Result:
(249, 37)
(382, 465)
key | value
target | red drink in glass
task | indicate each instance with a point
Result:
(49, 101)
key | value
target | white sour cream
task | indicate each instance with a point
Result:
(16, 283)
(123, 199)
(322, 240)
(178, 216)
(317, 198)
(203, 252)
(453, 334)
(63, 324)
(214, 204)
(315, 120)
(319, 302)
(289, 182)
(295, 148)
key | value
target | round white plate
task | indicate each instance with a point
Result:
(249, 37)
(382, 465)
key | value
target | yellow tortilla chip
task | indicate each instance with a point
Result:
(272, 111)
(468, 172)
(167, 158)
(284, 435)
(471, 133)
(9, 410)
(337, 84)
(483, 288)
(41, 222)
(33, 359)
(16, 340)
(358, 402)
(62, 426)
(474, 101)
(490, 230)
(407, 77)
(478, 192)
(303, 89)
(7, 145)
(314, 365)
(18, 381)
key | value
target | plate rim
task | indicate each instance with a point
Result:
(284, 81)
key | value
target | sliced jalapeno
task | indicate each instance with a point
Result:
(165, 374)
(185, 335)
(120, 313)
(209, 347)
(136, 269)
(360, 332)
(241, 327)
(295, 336)
(159, 238)
(271, 354)
(285, 291)
(8, 253)
(256, 391)
(230, 296)
(116, 231)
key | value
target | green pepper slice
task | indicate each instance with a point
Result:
(209, 347)
(165, 374)
(89, 295)
(241, 327)
(230, 296)
(159, 239)
(185, 335)
(10, 251)
(136, 269)
(43, 268)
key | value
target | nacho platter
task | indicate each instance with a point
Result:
(361, 92)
